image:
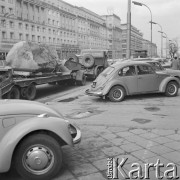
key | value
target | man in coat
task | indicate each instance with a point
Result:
(175, 63)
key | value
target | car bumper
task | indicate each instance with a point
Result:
(93, 93)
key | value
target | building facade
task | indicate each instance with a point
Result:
(136, 40)
(151, 49)
(91, 29)
(114, 35)
(69, 28)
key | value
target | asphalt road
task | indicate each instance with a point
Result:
(153, 111)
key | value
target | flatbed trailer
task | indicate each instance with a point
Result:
(17, 86)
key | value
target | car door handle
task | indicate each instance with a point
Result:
(139, 77)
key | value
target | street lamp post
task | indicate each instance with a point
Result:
(161, 37)
(129, 30)
(166, 41)
(141, 4)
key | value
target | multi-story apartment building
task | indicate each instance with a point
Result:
(40, 22)
(136, 40)
(91, 29)
(114, 33)
(7, 10)
(60, 24)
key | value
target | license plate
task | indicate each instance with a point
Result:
(94, 85)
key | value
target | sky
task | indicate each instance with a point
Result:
(164, 12)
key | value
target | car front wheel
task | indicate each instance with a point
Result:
(38, 157)
(171, 89)
(117, 94)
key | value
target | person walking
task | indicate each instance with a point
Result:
(175, 63)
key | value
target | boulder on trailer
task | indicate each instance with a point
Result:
(34, 64)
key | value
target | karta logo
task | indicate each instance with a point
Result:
(116, 170)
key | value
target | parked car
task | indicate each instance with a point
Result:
(132, 77)
(157, 66)
(167, 63)
(31, 137)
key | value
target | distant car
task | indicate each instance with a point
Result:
(132, 77)
(157, 66)
(31, 136)
(167, 63)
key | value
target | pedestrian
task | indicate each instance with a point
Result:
(175, 63)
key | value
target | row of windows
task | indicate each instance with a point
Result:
(44, 38)
(36, 28)
(9, 1)
(36, 38)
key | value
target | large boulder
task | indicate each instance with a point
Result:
(27, 55)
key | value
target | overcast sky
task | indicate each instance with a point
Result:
(164, 12)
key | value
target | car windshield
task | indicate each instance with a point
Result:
(107, 71)
(157, 66)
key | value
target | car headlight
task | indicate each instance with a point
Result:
(72, 130)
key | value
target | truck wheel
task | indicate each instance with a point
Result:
(101, 70)
(38, 157)
(82, 82)
(117, 94)
(14, 93)
(171, 89)
(31, 92)
(97, 71)
(88, 60)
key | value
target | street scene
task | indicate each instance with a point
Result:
(148, 133)
(89, 91)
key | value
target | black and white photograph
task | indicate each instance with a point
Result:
(89, 90)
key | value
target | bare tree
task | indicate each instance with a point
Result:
(173, 48)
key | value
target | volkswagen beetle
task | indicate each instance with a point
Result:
(132, 77)
(31, 137)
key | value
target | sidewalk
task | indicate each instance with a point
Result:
(88, 160)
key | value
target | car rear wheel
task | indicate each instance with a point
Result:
(117, 94)
(171, 89)
(38, 157)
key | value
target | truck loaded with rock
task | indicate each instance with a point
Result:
(30, 64)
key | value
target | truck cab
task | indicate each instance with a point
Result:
(93, 61)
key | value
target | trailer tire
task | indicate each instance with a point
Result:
(88, 60)
(14, 93)
(31, 92)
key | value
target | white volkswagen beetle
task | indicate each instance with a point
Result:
(31, 137)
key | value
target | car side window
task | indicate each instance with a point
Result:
(143, 69)
(127, 71)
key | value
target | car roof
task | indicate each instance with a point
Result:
(129, 63)
(94, 50)
(149, 61)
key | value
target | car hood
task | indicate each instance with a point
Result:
(164, 72)
(173, 72)
(17, 107)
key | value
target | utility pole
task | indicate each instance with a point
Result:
(129, 30)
